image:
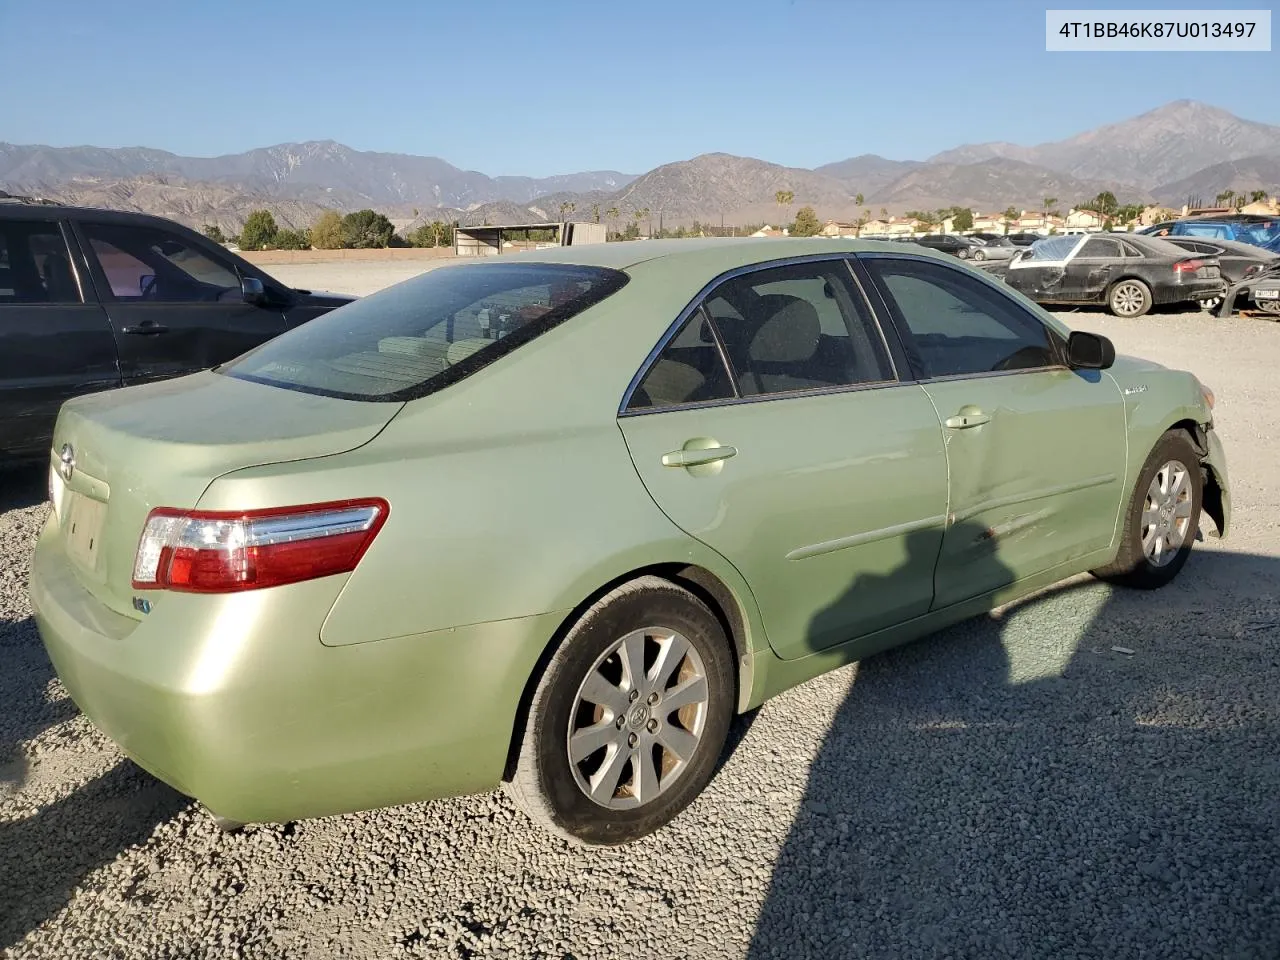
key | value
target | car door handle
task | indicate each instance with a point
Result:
(963, 421)
(147, 329)
(695, 458)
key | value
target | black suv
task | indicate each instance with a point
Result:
(95, 299)
(957, 246)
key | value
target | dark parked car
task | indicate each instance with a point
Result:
(1238, 261)
(95, 299)
(957, 246)
(1128, 273)
(1024, 239)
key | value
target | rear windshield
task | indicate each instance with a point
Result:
(424, 334)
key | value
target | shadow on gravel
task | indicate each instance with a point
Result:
(1035, 793)
(25, 710)
(44, 858)
(22, 486)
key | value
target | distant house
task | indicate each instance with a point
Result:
(1156, 214)
(839, 228)
(1270, 207)
(875, 228)
(902, 226)
(1084, 220)
(768, 231)
(988, 223)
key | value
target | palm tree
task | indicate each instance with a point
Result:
(566, 208)
(1010, 216)
(1226, 198)
(1048, 205)
(785, 198)
(611, 215)
(595, 212)
(1257, 196)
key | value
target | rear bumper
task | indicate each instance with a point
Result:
(1190, 290)
(235, 701)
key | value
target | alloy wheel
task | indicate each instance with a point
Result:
(1128, 299)
(1166, 514)
(637, 718)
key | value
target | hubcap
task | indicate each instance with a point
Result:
(637, 718)
(1166, 514)
(1127, 299)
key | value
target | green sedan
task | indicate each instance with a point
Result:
(550, 520)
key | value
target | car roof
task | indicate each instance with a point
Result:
(20, 210)
(710, 254)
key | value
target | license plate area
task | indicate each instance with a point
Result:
(1266, 294)
(82, 521)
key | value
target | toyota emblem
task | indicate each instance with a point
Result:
(66, 461)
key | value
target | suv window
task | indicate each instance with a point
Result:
(957, 324)
(1099, 247)
(34, 264)
(424, 334)
(146, 263)
(798, 327)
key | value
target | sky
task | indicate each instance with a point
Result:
(555, 86)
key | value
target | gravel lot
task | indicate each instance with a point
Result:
(1011, 787)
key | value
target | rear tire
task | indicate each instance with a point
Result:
(1129, 299)
(1162, 517)
(602, 733)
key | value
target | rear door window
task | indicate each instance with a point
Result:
(1099, 248)
(424, 334)
(35, 266)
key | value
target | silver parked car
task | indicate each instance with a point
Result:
(1000, 249)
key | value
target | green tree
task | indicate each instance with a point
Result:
(259, 230)
(1049, 203)
(1225, 198)
(292, 240)
(213, 232)
(566, 208)
(595, 213)
(326, 232)
(806, 224)
(1010, 218)
(962, 219)
(366, 229)
(1257, 196)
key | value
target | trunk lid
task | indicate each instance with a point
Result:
(162, 444)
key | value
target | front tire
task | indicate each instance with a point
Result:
(629, 718)
(1162, 516)
(979, 255)
(1129, 299)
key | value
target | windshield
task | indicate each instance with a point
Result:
(424, 334)
(1051, 248)
(1260, 234)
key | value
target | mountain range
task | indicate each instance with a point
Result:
(1181, 151)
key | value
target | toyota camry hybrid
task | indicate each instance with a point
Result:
(549, 520)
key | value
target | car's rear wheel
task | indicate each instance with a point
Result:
(629, 718)
(1129, 299)
(1161, 518)
(1269, 306)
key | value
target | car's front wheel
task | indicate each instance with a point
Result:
(629, 718)
(1129, 299)
(979, 255)
(1161, 518)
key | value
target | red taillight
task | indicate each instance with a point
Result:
(1187, 266)
(209, 551)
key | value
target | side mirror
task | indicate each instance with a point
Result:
(1089, 351)
(147, 284)
(252, 291)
